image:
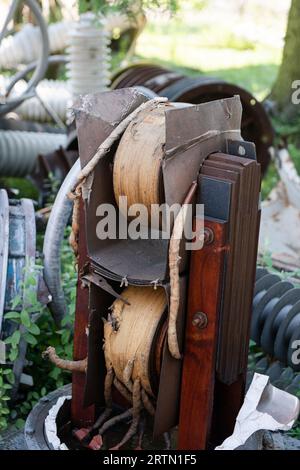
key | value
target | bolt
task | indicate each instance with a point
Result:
(200, 320)
(241, 150)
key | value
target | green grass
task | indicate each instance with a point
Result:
(22, 187)
(216, 51)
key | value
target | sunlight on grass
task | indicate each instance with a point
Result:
(203, 44)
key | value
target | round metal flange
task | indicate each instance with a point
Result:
(146, 91)
(284, 333)
(275, 318)
(286, 377)
(137, 74)
(143, 76)
(262, 286)
(274, 371)
(294, 387)
(281, 376)
(163, 80)
(125, 70)
(255, 126)
(260, 272)
(262, 365)
(265, 307)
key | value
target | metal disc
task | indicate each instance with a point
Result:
(262, 286)
(274, 371)
(274, 320)
(294, 361)
(294, 387)
(260, 272)
(264, 308)
(282, 338)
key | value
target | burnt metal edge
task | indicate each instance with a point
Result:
(34, 427)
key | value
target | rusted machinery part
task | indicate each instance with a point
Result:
(276, 318)
(17, 265)
(41, 65)
(163, 80)
(136, 74)
(150, 76)
(34, 430)
(256, 126)
(60, 214)
(146, 92)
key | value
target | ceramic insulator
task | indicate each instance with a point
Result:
(275, 325)
(19, 150)
(24, 46)
(53, 93)
(58, 35)
(89, 56)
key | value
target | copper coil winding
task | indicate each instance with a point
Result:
(130, 332)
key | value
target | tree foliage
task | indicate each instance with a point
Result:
(290, 66)
(127, 6)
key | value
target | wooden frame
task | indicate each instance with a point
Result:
(81, 416)
(198, 376)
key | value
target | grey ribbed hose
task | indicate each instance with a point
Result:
(54, 235)
(19, 150)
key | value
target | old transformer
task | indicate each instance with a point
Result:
(162, 330)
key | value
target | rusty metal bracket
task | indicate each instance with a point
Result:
(241, 149)
(100, 281)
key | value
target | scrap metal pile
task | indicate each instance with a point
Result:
(148, 309)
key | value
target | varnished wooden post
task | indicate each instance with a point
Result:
(198, 377)
(81, 416)
(228, 400)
